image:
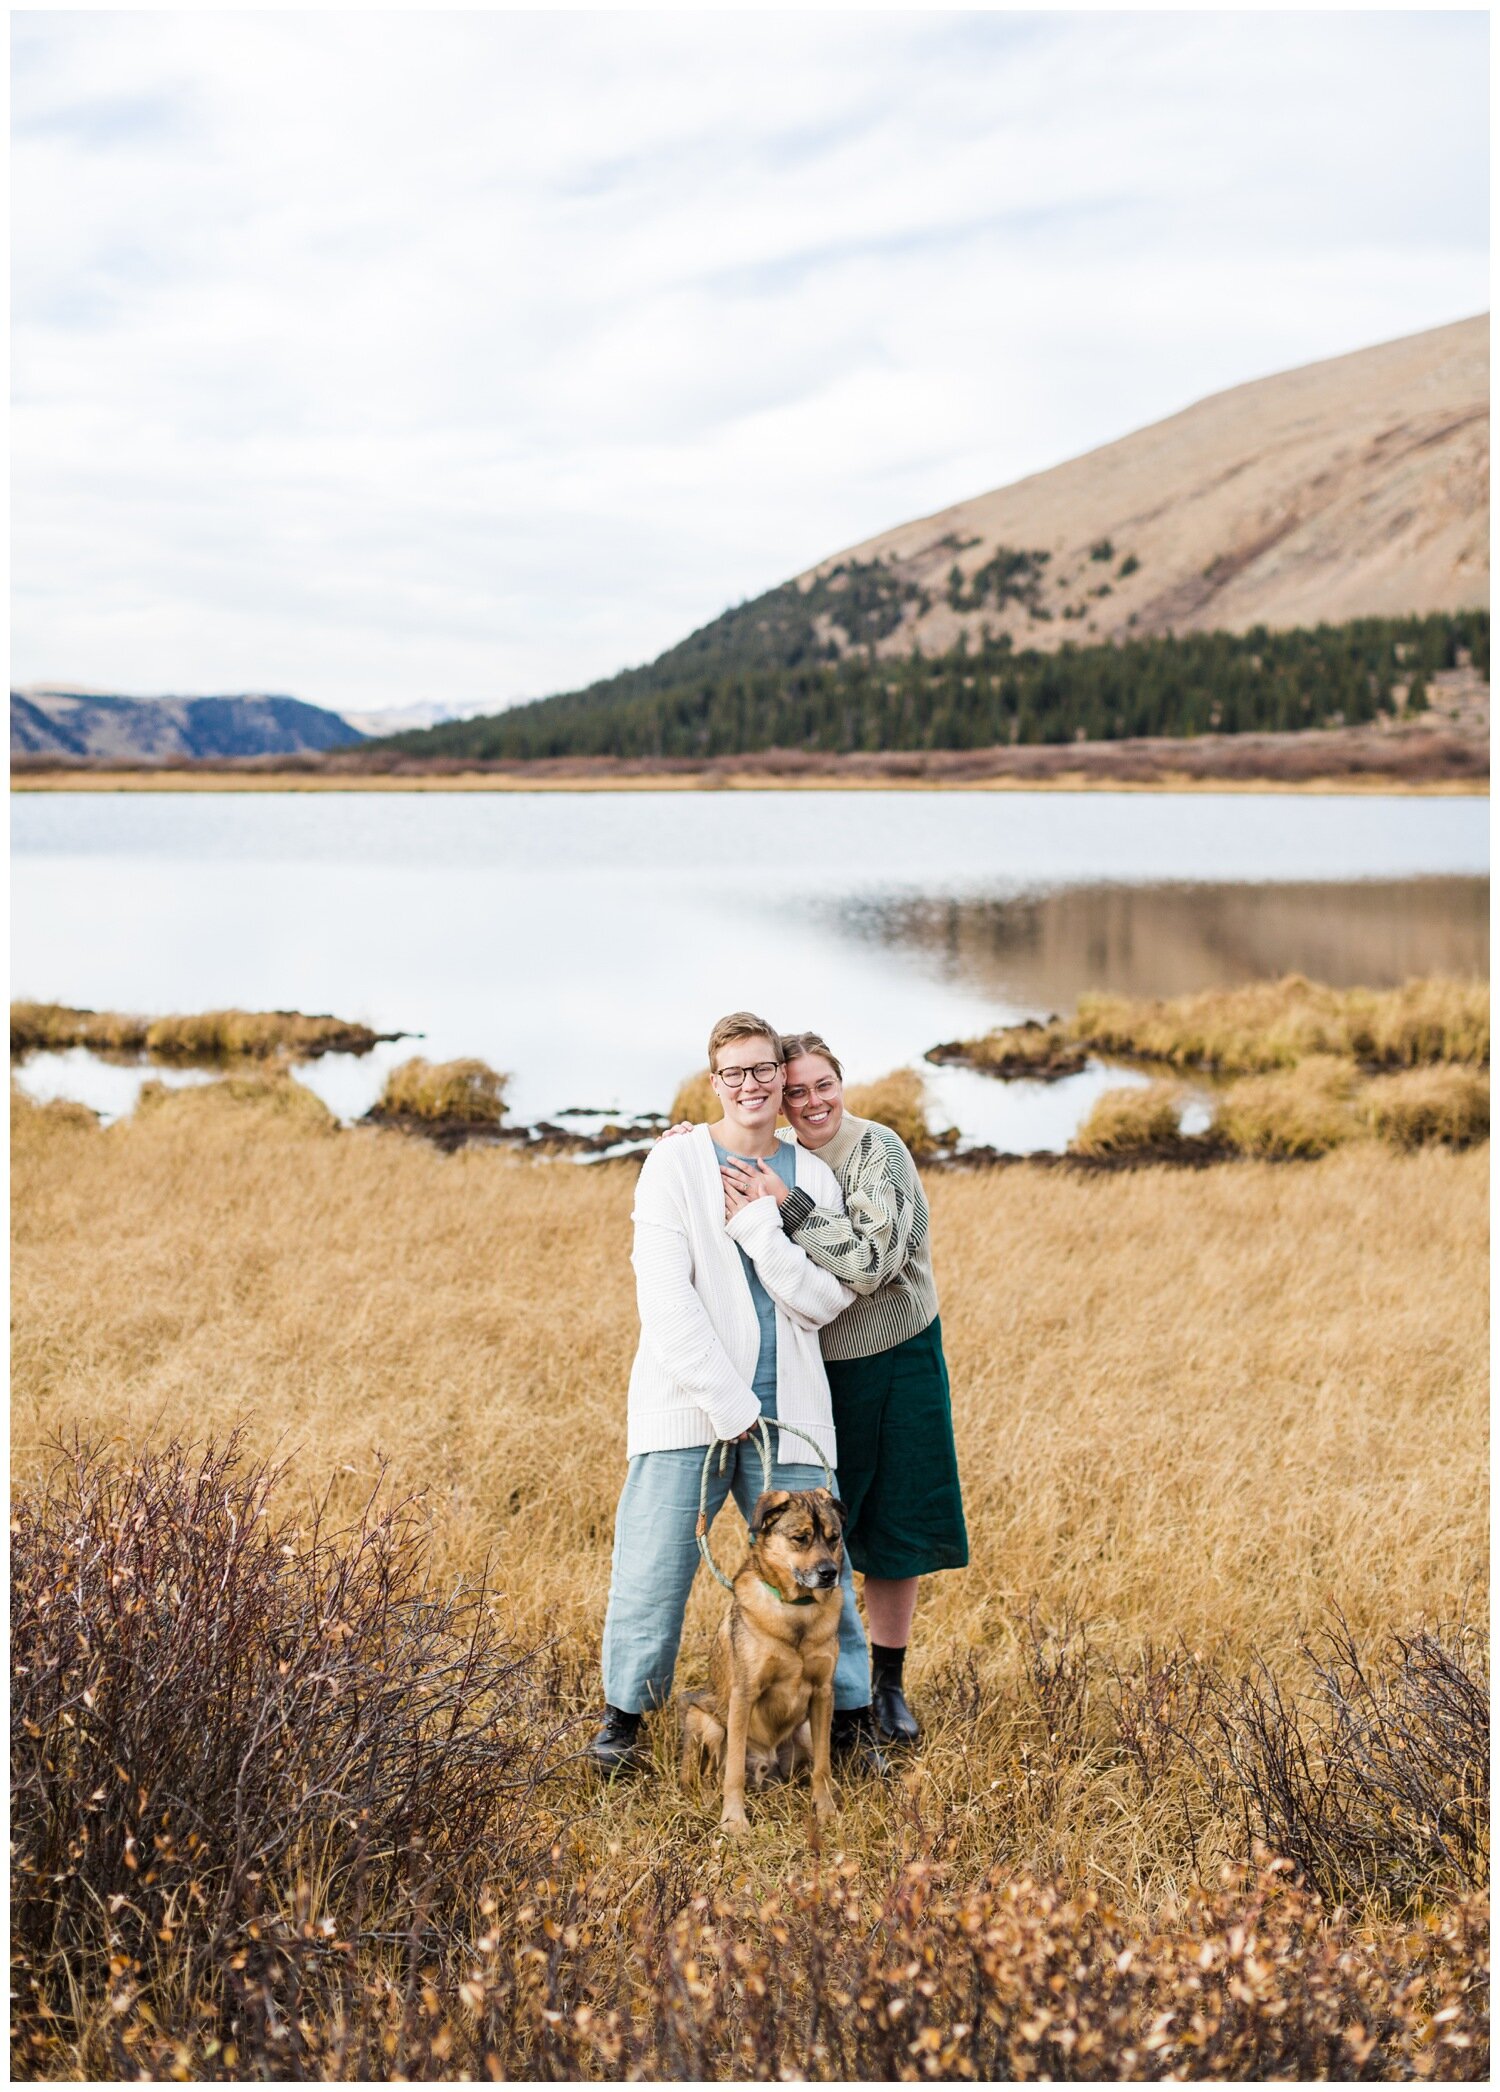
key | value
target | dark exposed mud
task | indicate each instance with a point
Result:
(1189, 1151)
(545, 1138)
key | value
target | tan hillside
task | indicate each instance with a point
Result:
(1349, 488)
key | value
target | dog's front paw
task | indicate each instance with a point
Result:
(733, 1823)
(825, 1804)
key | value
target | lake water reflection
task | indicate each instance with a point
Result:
(585, 942)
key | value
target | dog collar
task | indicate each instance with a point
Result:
(808, 1600)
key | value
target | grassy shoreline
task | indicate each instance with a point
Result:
(831, 781)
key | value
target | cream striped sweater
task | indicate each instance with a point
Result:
(878, 1240)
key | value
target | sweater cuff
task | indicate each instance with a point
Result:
(795, 1208)
(745, 1223)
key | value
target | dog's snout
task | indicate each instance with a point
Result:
(828, 1573)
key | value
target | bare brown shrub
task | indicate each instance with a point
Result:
(1376, 1781)
(237, 1739)
(284, 1808)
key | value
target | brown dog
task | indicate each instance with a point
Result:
(770, 1706)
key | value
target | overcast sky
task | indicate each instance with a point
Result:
(384, 358)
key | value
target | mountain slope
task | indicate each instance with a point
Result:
(48, 720)
(1352, 489)
(1357, 487)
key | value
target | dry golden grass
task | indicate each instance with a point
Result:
(252, 1034)
(464, 1089)
(1274, 1024)
(58, 1111)
(1016, 1050)
(1203, 1404)
(279, 1102)
(897, 1100)
(1127, 1121)
(695, 1101)
(1298, 1113)
(1428, 1104)
(1301, 1111)
(210, 1035)
(53, 1026)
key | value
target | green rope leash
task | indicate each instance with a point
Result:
(722, 1446)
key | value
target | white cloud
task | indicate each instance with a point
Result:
(382, 358)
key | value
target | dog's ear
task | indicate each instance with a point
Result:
(768, 1508)
(839, 1509)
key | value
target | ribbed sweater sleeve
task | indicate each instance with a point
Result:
(674, 1325)
(811, 1295)
(868, 1244)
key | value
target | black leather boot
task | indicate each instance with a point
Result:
(853, 1746)
(895, 1724)
(618, 1747)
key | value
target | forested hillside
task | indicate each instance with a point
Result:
(977, 696)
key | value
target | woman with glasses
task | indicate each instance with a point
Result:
(730, 1312)
(888, 1380)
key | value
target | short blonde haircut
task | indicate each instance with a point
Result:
(741, 1024)
(799, 1042)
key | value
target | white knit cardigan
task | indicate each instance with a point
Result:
(700, 1337)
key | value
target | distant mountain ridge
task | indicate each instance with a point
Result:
(1352, 489)
(50, 720)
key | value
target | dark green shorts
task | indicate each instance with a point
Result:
(898, 1467)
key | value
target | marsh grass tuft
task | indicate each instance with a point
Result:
(1131, 1122)
(695, 1101)
(254, 1035)
(1042, 1052)
(1276, 1024)
(466, 1090)
(1300, 1111)
(52, 1026)
(899, 1100)
(212, 1035)
(264, 1100)
(1449, 1104)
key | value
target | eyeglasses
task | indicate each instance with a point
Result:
(799, 1092)
(763, 1071)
